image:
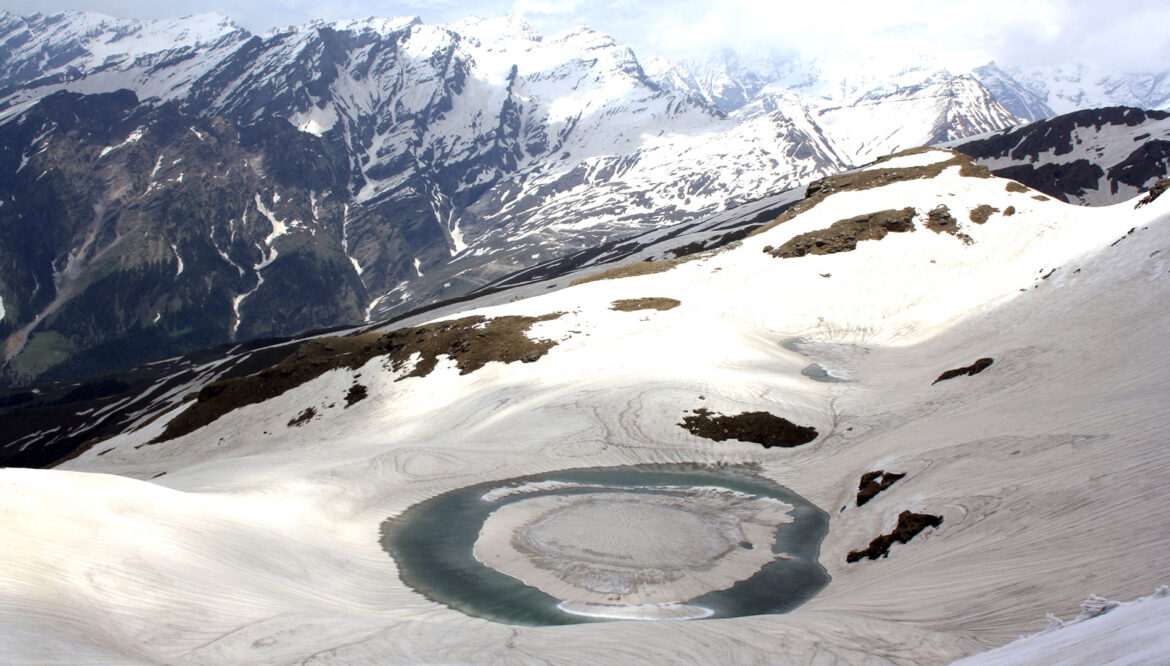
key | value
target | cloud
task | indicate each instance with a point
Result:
(546, 7)
(1121, 34)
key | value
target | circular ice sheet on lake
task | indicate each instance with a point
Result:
(646, 542)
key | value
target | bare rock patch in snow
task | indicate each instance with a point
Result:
(909, 525)
(874, 177)
(970, 370)
(762, 428)
(843, 235)
(939, 220)
(356, 393)
(873, 483)
(981, 213)
(1155, 192)
(302, 418)
(650, 303)
(1013, 186)
(471, 342)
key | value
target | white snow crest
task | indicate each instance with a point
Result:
(179, 269)
(134, 137)
(315, 121)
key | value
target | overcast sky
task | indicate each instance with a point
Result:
(1129, 35)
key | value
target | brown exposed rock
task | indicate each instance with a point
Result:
(1009, 211)
(818, 190)
(1013, 186)
(909, 526)
(471, 342)
(761, 428)
(873, 483)
(843, 235)
(1155, 191)
(939, 220)
(981, 213)
(652, 303)
(973, 369)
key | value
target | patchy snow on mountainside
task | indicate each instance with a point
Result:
(943, 108)
(254, 539)
(1095, 157)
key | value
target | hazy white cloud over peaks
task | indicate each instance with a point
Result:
(1117, 34)
(554, 7)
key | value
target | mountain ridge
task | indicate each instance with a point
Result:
(452, 160)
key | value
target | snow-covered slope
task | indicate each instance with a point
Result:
(253, 540)
(89, 53)
(1020, 100)
(1072, 87)
(942, 107)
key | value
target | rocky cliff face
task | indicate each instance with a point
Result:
(131, 229)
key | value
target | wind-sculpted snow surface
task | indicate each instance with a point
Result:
(252, 541)
(1133, 632)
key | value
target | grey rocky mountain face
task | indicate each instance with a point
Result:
(1094, 157)
(177, 184)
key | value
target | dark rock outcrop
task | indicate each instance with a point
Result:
(909, 526)
(761, 428)
(970, 370)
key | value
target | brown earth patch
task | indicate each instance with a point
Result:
(939, 220)
(762, 428)
(818, 190)
(973, 369)
(981, 213)
(843, 235)
(471, 342)
(1009, 211)
(629, 270)
(1155, 191)
(653, 303)
(1041, 197)
(909, 525)
(1013, 186)
(873, 483)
